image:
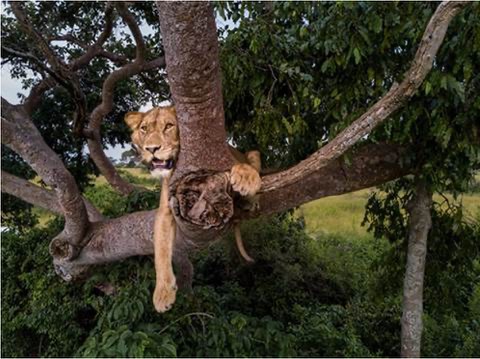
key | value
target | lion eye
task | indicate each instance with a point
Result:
(168, 126)
(143, 128)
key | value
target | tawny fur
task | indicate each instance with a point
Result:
(155, 136)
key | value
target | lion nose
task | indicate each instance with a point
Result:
(152, 149)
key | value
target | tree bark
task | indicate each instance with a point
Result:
(131, 235)
(371, 165)
(191, 52)
(21, 135)
(200, 183)
(420, 222)
(41, 197)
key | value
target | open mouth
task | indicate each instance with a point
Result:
(161, 164)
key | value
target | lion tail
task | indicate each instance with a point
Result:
(241, 248)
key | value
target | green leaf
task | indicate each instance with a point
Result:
(428, 87)
(443, 82)
(356, 54)
(377, 24)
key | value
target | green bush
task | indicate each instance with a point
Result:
(297, 299)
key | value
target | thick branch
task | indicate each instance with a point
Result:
(420, 222)
(191, 50)
(41, 197)
(392, 101)
(21, 135)
(131, 234)
(372, 166)
(93, 132)
(34, 98)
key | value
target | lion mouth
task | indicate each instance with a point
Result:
(162, 164)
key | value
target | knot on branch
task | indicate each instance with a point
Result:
(60, 248)
(201, 200)
(70, 271)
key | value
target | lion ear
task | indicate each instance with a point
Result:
(171, 109)
(133, 119)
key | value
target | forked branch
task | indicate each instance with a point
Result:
(20, 134)
(114, 239)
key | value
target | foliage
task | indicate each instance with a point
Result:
(293, 301)
(112, 204)
(452, 266)
(41, 316)
(295, 74)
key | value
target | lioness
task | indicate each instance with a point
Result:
(155, 136)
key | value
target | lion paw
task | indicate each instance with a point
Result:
(164, 295)
(245, 179)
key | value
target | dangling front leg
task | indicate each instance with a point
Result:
(164, 236)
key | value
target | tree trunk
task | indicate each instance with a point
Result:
(200, 195)
(420, 222)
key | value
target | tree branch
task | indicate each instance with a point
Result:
(133, 26)
(132, 234)
(21, 135)
(36, 37)
(115, 58)
(392, 101)
(93, 131)
(372, 165)
(96, 48)
(41, 197)
(59, 71)
(33, 100)
(29, 56)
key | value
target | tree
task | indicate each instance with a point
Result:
(193, 68)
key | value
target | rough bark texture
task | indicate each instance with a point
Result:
(21, 135)
(130, 235)
(201, 203)
(392, 101)
(420, 222)
(109, 241)
(191, 53)
(41, 197)
(373, 165)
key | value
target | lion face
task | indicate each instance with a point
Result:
(155, 135)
